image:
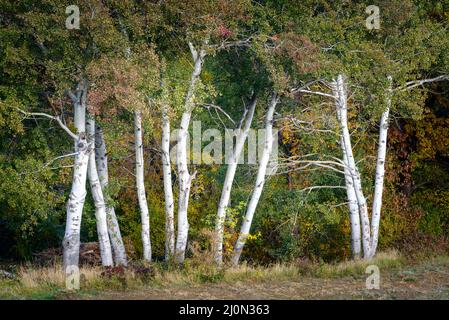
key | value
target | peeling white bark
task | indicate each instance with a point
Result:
(380, 171)
(229, 179)
(184, 177)
(354, 216)
(97, 195)
(260, 181)
(143, 205)
(168, 188)
(339, 88)
(115, 236)
(75, 204)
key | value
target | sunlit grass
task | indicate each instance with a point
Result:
(49, 282)
(383, 260)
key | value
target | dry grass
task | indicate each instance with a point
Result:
(384, 260)
(49, 282)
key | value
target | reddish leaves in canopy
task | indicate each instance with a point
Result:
(111, 87)
(299, 49)
(122, 82)
(224, 32)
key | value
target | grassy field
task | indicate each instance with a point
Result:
(400, 278)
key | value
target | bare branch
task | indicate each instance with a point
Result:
(322, 187)
(56, 118)
(193, 51)
(319, 93)
(416, 83)
(217, 108)
(231, 44)
(71, 95)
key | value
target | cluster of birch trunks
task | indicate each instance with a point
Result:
(91, 164)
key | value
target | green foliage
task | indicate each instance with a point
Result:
(252, 46)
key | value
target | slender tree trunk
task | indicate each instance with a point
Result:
(229, 179)
(380, 172)
(260, 181)
(97, 194)
(101, 159)
(354, 216)
(168, 188)
(181, 158)
(185, 180)
(75, 204)
(341, 105)
(143, 205)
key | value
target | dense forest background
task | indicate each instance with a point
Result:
(39, 58)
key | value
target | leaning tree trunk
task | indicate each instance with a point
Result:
(101, 159)
(354, 216)
(168, 188)
(75, 204)
(143, 205)
(380, 172)
(340, 94)
(260, 181)
(97, 195)
(184, 177)
(229, 179)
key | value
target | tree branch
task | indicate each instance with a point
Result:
(412, 84)
(56, 118)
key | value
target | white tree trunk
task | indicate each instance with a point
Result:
(143, 205)
(184, 177)
(339, 88)
(354, 216)
(229, 179)
(168, 188)
(260, 181)
(97, 195)
(101, 159)
(141, 196)
(75, 204)
(380, 172)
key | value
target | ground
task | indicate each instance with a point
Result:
(400, 278)
(426, 280)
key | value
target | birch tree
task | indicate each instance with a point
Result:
(260, 180)
(185, 179)
(140, 185)
(370, 230)
(168, 188)
(115, 236)
(354, 216)
(132, 80)
(77, 197)
(97, 194)
(340, 93)
(380, 169)
(229, 178)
